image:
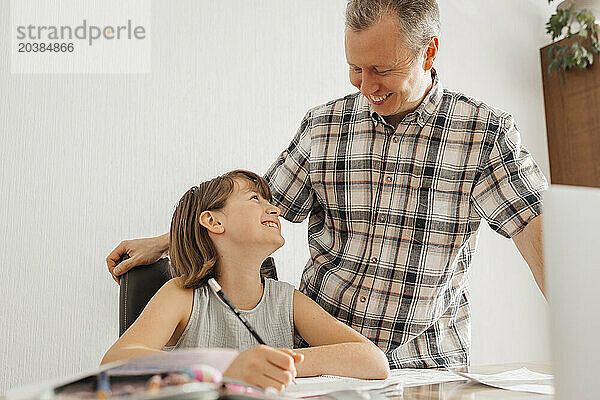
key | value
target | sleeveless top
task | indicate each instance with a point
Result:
(213, 324)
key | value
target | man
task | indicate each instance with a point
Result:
(396, 179)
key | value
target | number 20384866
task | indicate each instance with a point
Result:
(45, 47)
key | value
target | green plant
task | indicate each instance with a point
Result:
(571, 22)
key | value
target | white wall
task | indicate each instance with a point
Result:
(88, 160)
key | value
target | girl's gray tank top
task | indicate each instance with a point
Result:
(213, 324)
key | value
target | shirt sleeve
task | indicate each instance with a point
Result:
(289, 176)
(508, 193)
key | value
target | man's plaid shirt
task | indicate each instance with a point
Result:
(394, 214)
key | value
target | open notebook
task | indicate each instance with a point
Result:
(133, 373)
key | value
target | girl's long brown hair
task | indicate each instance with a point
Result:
(193, 254)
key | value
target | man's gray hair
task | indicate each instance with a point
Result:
(418, 20)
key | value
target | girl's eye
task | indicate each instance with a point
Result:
(254, 197)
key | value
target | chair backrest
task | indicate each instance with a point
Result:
(139, 284)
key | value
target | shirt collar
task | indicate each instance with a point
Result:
(425, 110)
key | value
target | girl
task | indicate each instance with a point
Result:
(224, 229)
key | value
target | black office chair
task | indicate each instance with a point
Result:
(139, 284)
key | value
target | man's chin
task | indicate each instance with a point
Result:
(276, 245)
(281, 243)
(385, 111)
(390, 116)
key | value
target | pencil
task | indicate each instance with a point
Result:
(219, 292)
(103, 390)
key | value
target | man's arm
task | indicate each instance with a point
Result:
(530, 244)
(509, 192)
(289, 176)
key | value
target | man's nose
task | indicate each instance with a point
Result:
(368, 84)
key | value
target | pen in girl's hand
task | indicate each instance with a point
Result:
(219, 292)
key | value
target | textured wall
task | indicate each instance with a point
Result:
(88, 160)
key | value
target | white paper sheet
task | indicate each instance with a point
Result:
(398, 378)
(420, 377)
(518, 380)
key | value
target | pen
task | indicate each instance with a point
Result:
(219, 292)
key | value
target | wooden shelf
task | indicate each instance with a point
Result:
(572, 103)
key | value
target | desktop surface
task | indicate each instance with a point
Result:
(475, 391)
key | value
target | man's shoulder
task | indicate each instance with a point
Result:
(353, 103)
(462, 105)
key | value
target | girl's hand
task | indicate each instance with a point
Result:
(264, 366)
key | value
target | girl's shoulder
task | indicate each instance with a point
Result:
(174, 288)
(275, 286)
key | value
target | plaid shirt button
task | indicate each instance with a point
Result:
(374, 260)
(388, 178)
(382, 218)
(363, 299)
(395, 139)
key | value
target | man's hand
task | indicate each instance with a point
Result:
(264, 366)
(140, 251)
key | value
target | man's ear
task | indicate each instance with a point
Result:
(211, 222)
(431, 53)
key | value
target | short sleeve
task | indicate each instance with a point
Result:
(508, 193)
(289, 176)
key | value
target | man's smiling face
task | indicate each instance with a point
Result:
(385, 70)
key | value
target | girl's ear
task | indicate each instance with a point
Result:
(210, 221)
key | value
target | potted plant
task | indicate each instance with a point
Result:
(575, 20)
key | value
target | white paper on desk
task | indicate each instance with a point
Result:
(420, 377)
(320, 385)
(518, 380)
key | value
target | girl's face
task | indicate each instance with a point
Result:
(250, 220)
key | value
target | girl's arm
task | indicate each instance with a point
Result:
(338, 349)
(168, 310)
(166, 316)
